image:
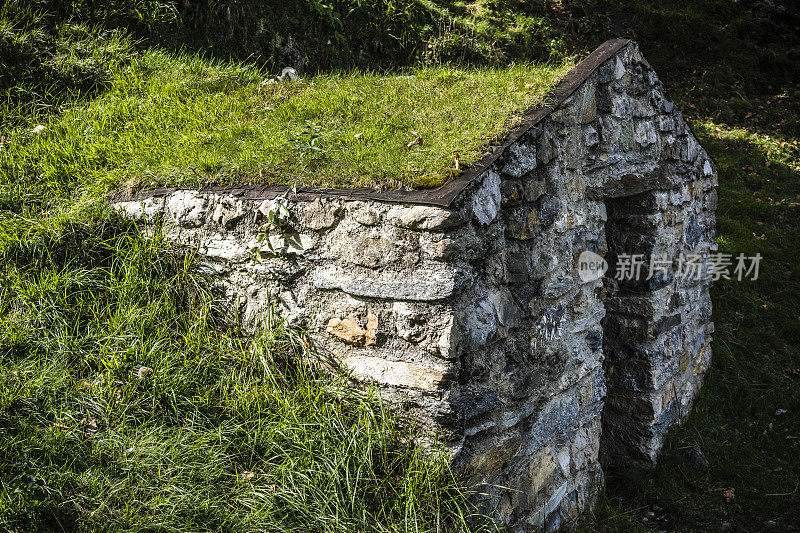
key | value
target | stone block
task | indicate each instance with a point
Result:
(421, 217)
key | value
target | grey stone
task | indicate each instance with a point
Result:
(626, 137)
(424, 283)
(511, 192)
(532, 190)
(486, 201)
(591, 137)
(696, 458)
(508, 312)
(645, 133)
(470, 407)
(547, 209)
(517, 267)
(558, 287)
(594, 339)
(521, 161)
(588, 105)
(665, 123)
(480, 323)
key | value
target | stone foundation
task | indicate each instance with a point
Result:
(473, 318)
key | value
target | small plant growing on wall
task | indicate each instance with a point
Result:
(277, 236)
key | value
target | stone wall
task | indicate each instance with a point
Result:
(474, 320)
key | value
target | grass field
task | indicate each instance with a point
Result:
(156, 118)
(191, 122)
(129, 400)
(88, 444)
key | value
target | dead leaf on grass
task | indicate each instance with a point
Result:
(728, 493)
(417, 140)
(90, 426)
(143, 372)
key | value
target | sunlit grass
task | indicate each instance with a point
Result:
(187, 121)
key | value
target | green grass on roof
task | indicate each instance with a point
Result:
(168, 120)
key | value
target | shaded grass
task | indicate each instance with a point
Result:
(731, 68)
(325, 34)
(129, 400)
(47, 65)
(747, 416)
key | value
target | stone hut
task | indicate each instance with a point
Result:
(492, 309)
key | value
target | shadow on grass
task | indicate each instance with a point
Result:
(747, 417)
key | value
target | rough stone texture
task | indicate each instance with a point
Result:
(474, 318)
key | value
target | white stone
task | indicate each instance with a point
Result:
(290, 243)
(140, 209)
(228, 211)
(394, 373)
(228, 248)
(423, 217)
(366, 216)
(188, 208)
(322, 213)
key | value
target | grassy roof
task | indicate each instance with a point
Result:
(181, 120)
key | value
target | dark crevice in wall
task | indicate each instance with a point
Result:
(629, 287)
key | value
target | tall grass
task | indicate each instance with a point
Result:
(130, 400)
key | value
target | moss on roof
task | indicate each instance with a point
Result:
(186, 122)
